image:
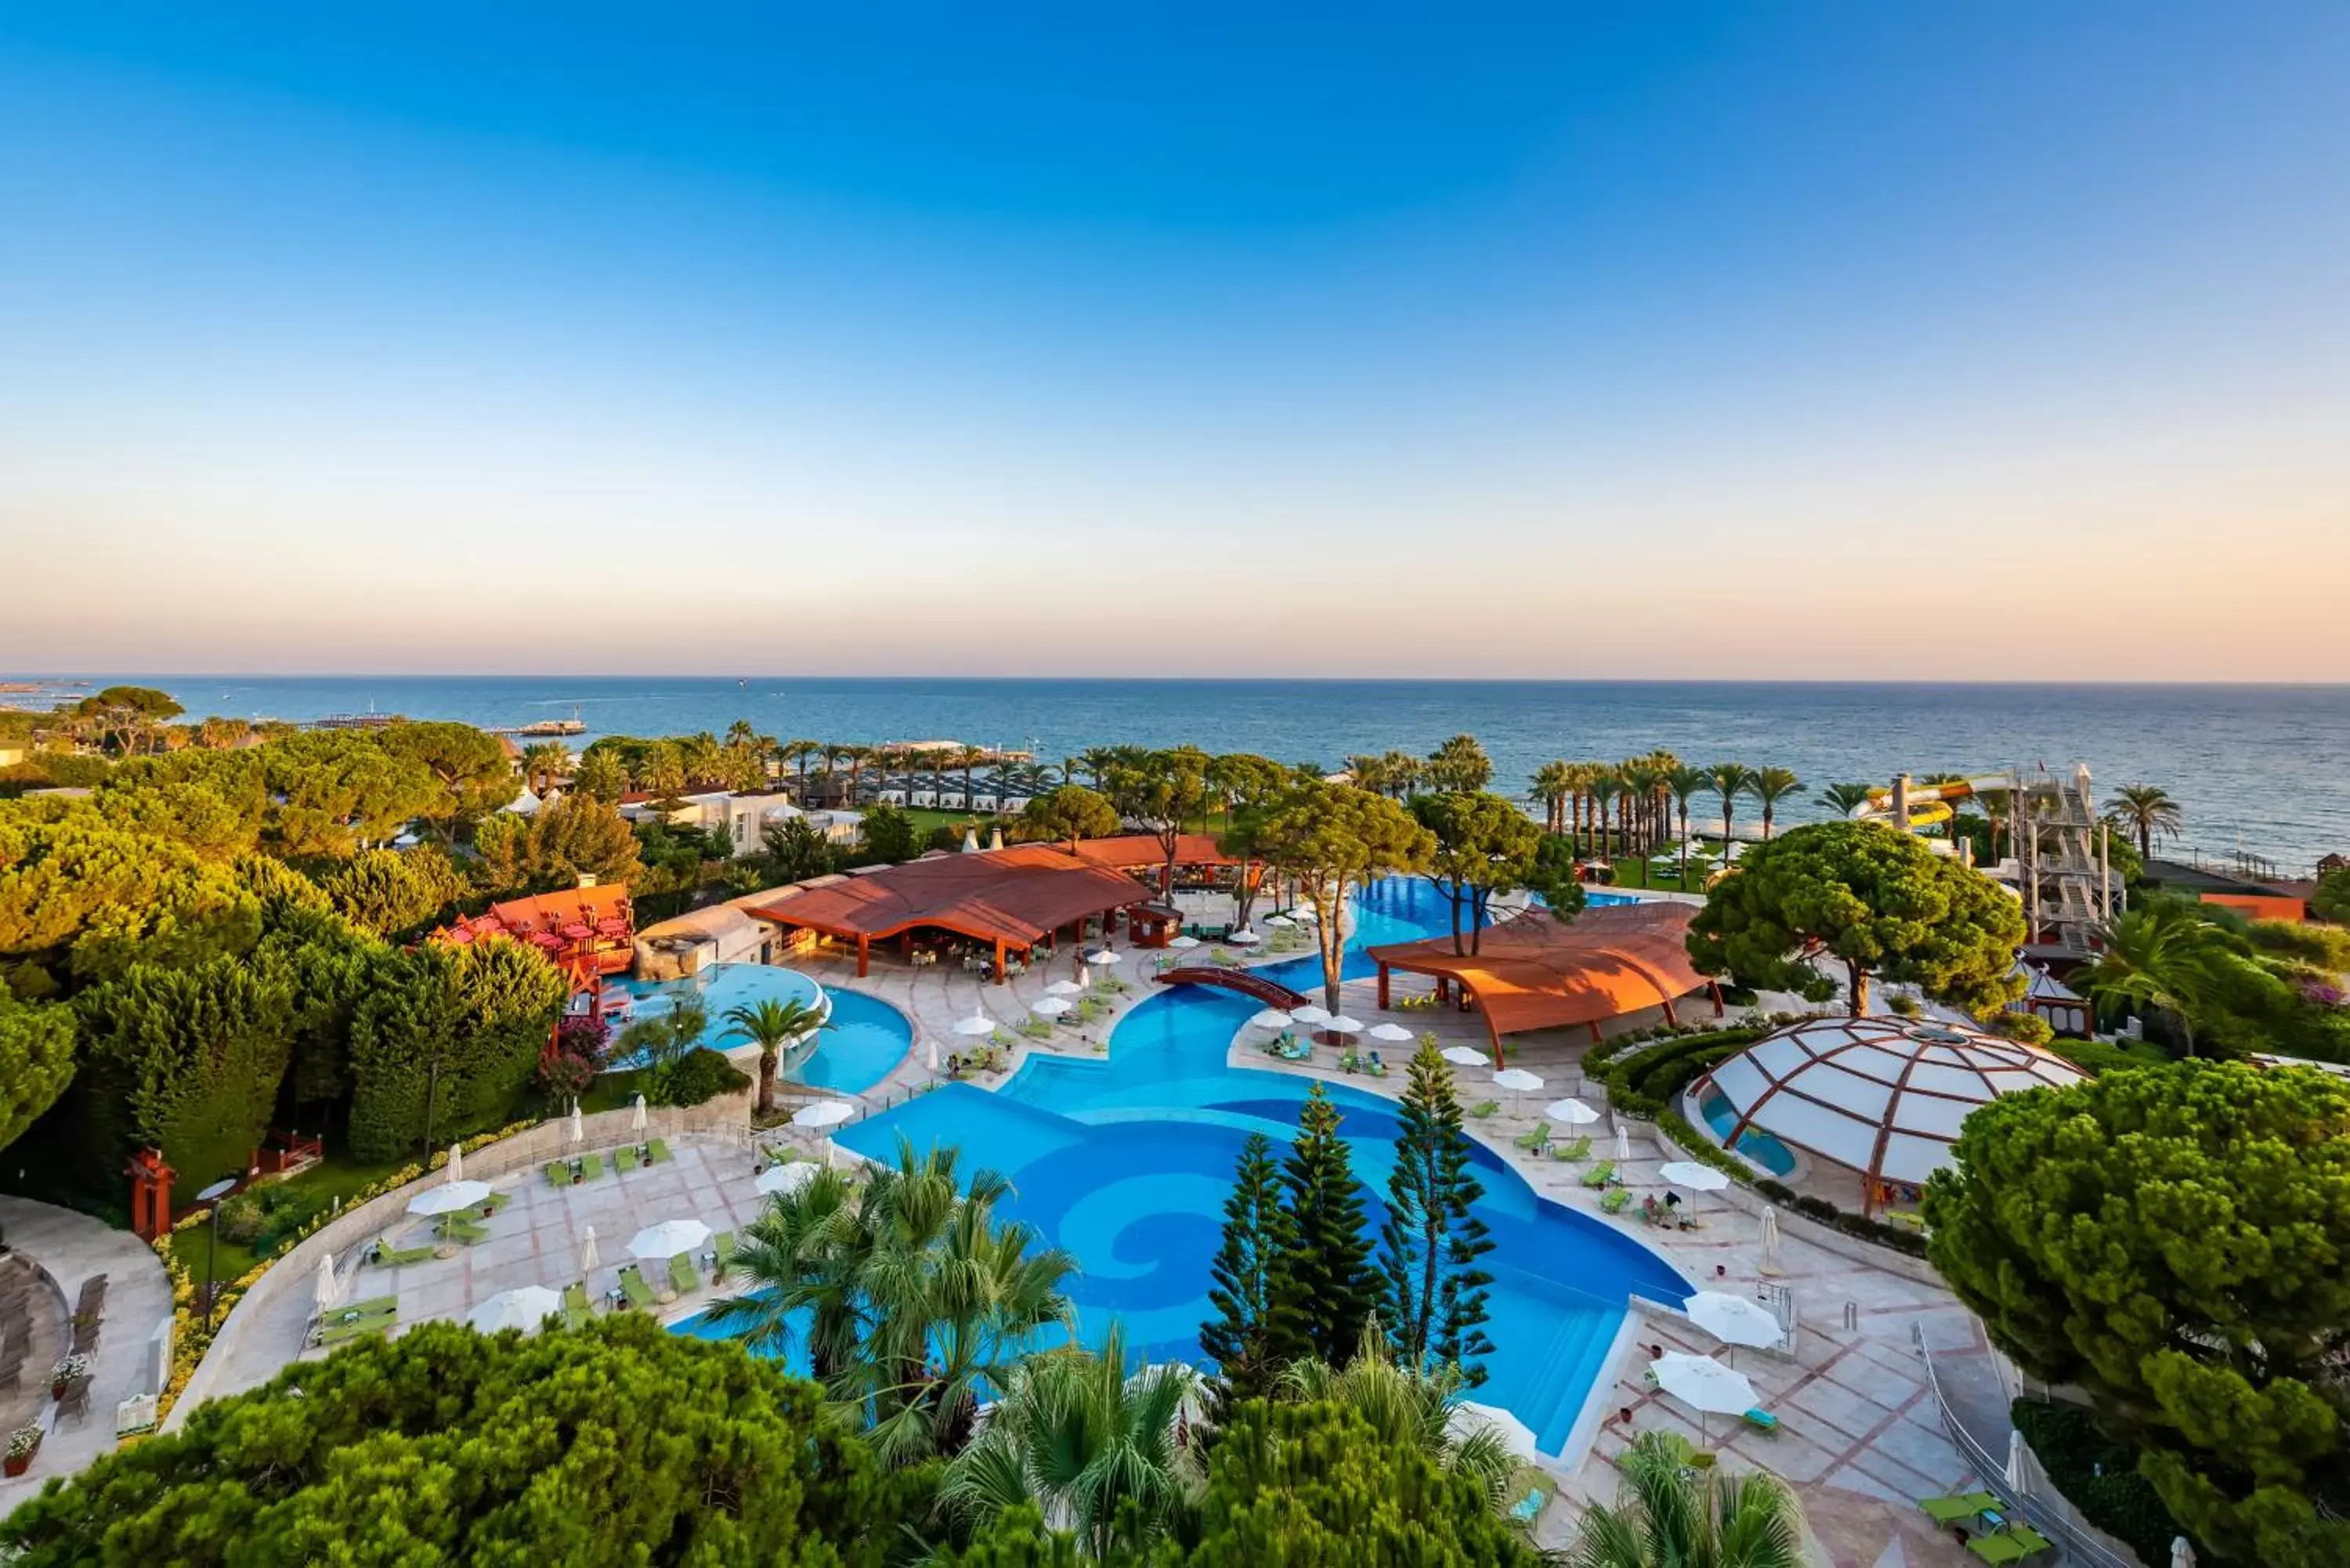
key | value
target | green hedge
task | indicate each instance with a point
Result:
(2099, 1476)
(481, 1013)
(1643, 1084)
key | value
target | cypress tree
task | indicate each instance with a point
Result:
(1435, 1296)
(1334, 1279)
(1260, 1323)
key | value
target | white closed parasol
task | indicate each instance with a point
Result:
(455, 1171)
(587, 1251)
(327, 1290)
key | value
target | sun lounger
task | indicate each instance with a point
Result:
(682, 1276)
(639, 1293)
(374, 1307)
(624, 1159)
(558, 1173)
(343, 1333)
(1528, 1509)
(1532, 1139)
(1617, 1197)
(1952, 1510)
(1484, 1108)
(457, 1228)
(1579, 1149)
(393, 1257)
(1762, 1420)
(496, 1201)
(1036, 1028)
(722, 1254)
(591, 1166)
(575, 1311)
(2009, 1545)
(1600, 1175)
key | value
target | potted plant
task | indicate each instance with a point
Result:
(62, 1374)
(23, 1444)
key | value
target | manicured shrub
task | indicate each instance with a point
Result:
(698, 1077)
(444, 1042)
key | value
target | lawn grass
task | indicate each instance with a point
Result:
(1634, 873)
(338, 1175)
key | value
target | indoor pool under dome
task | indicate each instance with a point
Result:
(864, 1040)
(1127, 1162)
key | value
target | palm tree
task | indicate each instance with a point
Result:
(1552, 783)
(1408, 1409)
(599, 774)
(704, 758)
(741, 733)
(1672, 1516)
(772, 1024)
(2145, 810)
(1641, 783)
(1769, 786)
(1404, 773)
(1097, 761)
(799, 752)
(1844, 799)
(914, 1296)
(1100, 1451)
(968, 759)
(663, 773)
(1686, 784)
(543, 763)
(1603, 788)
(1728, 780)
(2165, 956)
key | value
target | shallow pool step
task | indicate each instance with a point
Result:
(1562, 1380)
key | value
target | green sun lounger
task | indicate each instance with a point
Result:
(1953, 1510)
(1600, 1175)
(1036, 1028)
(1618, 1197)
(1484, 1108)
(591, 1166)
(2009, 1545)
(1579, 1149)
(374, 1307)
(722, 1254)
(683, 1278)
(344, 1332)
(656, 1152)
(558, 1173)
(497, 1202)
(633, 1288)
(393, 1257)
(624, 1159)
(1532, 1139)
(575, 1311)
(457, 1228)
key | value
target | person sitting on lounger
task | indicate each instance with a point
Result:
(1378, 1066)
(954, 1066)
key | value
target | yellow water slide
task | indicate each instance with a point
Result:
(1927, 805)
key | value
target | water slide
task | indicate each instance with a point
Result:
(1927, 805)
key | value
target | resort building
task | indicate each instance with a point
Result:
(585, 930)
(744, 818)
(1004, 903)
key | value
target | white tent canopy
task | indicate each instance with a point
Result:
(1882, 1096)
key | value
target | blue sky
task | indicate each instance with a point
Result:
(1675, 340)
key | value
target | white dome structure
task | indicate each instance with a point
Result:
(1885, 1096)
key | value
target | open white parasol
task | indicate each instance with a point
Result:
(1051, 1007)
(1735, 1320)
(451, 1198)
(525, 1308)
(1184, 944)
(1064, 988)
(1573, 1113)
(1704, 1385)
(1272, 1018)
(1342, 1024)
(787, 1177)
(975, 1026)
(823, 1114)
(668, 1239)
(1467, 1057)
(1310, 1013)
(1517, 1081)
(1393, 1032)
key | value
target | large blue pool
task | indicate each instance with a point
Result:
(1126, 1162)
(867, 1038)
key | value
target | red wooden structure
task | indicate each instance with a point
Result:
(150, 1194)
(1267, 992)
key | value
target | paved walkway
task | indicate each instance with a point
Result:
(73, 1248)
(538, 1239)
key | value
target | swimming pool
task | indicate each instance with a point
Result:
(1757, 1146)
(867, 1041)
(1127, 1162)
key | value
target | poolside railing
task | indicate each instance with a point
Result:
(2054, 1518)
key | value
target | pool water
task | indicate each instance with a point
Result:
(1757, 1146)
(1125, 1163)
(867, 1041)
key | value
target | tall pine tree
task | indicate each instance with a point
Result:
(1260, 1323)
(1435, 1299)
(1332, 1267)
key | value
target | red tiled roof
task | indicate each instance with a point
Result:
(1017, 896)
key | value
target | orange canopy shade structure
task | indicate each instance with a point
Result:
(1142, 851)
(1013, 898)
(1537, 972)
(587, 929)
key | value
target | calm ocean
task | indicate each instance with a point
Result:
(2261, 768)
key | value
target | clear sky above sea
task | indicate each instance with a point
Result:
(2005, 340)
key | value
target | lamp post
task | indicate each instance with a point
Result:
(212, 1195)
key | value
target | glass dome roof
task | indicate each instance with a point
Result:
(1884, 1096)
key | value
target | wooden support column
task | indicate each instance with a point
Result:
(864, 955)
(1718, 1011)
(1383, 986)
(999, 960)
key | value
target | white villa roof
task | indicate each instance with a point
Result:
(1883, 1096)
